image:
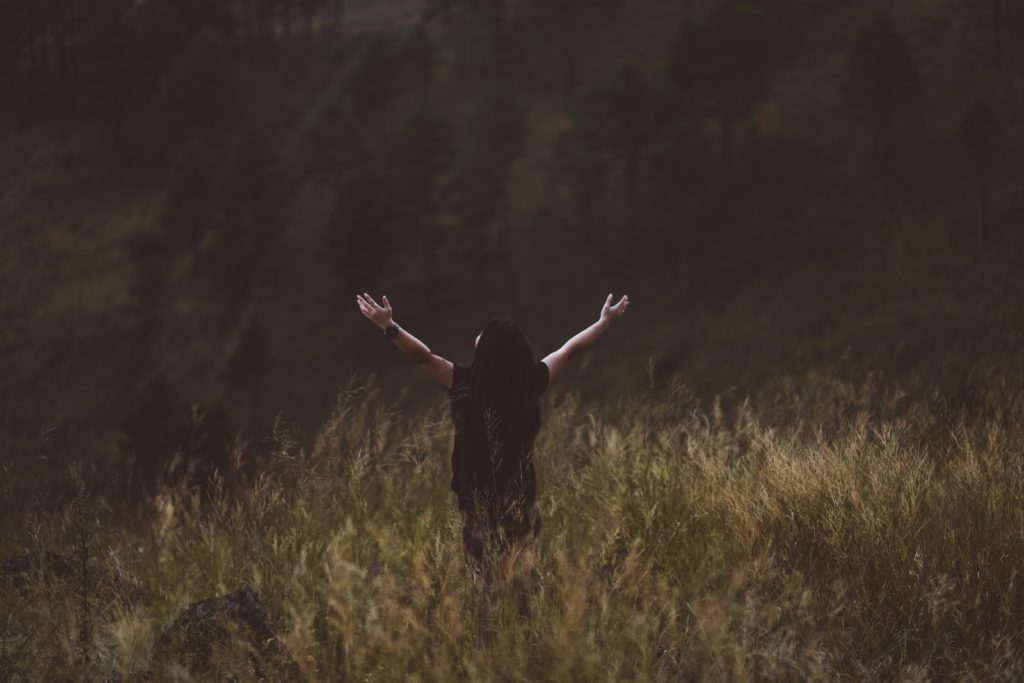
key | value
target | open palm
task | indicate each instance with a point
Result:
(610, 312)
(378, 315)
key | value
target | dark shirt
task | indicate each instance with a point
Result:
(510, 474)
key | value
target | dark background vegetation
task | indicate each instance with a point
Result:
(192, 191)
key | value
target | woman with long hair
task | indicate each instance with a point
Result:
(496, 414)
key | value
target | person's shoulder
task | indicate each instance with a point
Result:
(460, 380)
(542, 376)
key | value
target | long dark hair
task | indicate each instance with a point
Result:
(503, 381)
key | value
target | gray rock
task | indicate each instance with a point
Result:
(218, 620)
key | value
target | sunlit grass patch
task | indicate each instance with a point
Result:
(820, 531)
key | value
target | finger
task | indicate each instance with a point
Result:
(387, 304)
(370, 299)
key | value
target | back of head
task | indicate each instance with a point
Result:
(502, 378)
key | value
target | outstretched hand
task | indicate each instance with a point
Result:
(610, 312)
(377, 314)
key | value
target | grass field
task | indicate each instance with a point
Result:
(819, 530)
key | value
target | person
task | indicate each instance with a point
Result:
(496, 415)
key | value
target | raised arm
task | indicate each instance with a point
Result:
(436, 366)
(585, 338)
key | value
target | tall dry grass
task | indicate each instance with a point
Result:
(820, 530)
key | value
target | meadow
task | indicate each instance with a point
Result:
(821, 529)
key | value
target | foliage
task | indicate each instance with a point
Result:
(363, 221)
(195, 100)
(249, 361)
(981, 134)
(495, 136)
(375, 77)
(190, 210)
(724, 64)
(419, 57)
(883, 87)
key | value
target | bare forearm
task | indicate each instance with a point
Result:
(411, 346)
(581, 340)
(585, 338)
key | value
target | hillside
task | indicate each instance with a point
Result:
(189, 233)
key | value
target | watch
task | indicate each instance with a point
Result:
(391, 330)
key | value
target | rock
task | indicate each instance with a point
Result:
(218, 620)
